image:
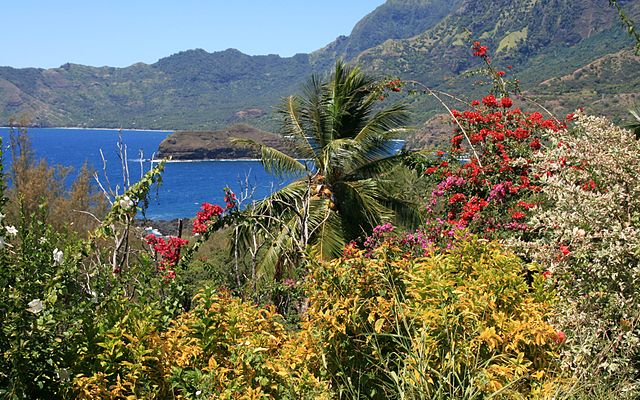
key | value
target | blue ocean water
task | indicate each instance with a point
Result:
(185, 184)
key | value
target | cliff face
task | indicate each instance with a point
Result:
(216, 145)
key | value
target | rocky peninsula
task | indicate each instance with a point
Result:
(215, 145)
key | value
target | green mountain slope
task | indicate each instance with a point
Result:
(424, 40)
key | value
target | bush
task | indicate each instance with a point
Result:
(590, 241)
(224, 348)
(462, 323)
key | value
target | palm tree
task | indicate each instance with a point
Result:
(342, 146)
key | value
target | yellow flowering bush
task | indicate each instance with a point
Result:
(463, 323)
(224, 348)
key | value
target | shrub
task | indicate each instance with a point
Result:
(224, 348)
(491, 194)
(462, 323)
(590, 242)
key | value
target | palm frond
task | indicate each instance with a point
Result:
(281, 252)
(406, 213)
(293, 126)
(329, 238)
(360, 202)
(375, 168)
(274, 161)
(383, 122)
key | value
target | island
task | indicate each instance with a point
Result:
(216, 145)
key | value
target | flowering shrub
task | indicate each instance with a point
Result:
(204, 217)
(491, 194)
(209, 213)
(224, 349)
(590, 242)
(453, 324)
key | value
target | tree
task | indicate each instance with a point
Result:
(342, 152)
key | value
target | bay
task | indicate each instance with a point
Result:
(185, 184)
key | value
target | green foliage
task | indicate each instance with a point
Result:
(342, 143)
(43, 311)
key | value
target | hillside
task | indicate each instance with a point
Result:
(424, 40)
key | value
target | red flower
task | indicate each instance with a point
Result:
(475, 103)
(546, 274)
(564, 250)
(506, 102)
(169, 250)
(478, 50)
(430, 170)
(490, 101)
(458, 197)
(560, 338)
(209, 211)
(500, 73)
(518, 215)
(525, 205)
(456, 141)
(591, 185)
(535, 144)
(230, 199)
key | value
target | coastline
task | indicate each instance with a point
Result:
(169, 161)
(95, 129)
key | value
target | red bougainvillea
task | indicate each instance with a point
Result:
(492, 190)
(169, 250)
(208, 213)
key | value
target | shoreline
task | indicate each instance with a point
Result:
(155, 161)
(95, 129)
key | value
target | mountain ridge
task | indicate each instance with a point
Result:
(424, 40)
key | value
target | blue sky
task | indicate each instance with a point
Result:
(49, 33)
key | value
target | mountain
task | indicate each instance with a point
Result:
(555, 47)
(192, 89)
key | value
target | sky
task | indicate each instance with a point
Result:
(118, 33)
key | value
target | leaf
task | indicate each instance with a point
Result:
(378, 325)
(273, 160)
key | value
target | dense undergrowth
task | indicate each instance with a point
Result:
(517, 277)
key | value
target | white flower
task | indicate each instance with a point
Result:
(42, 240)
(58, 256)
(2, 217)
(35, 306)
(126, 202)
(2, 243)
(11, 230)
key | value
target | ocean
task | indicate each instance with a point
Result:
(185, 185)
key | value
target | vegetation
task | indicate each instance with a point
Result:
(344, 149)
(520, 280)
